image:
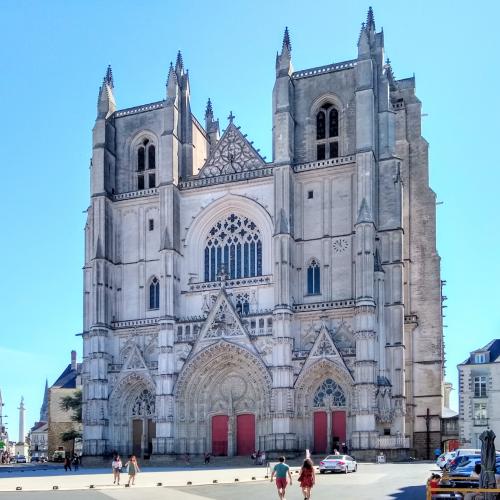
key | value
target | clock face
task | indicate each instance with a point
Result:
(340, 245)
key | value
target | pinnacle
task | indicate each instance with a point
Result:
(209, 112)
(370, 19)
(108, 79)
(286, 41)
(179, 63)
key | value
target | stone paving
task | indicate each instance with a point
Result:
(388, 481)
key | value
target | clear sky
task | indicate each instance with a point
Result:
(53, 58)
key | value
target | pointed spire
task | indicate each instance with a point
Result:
(179, 63)
(166, 243)
(370, 20)
(98, 249)
(364, 213)
(171, 73)
(209, 112)
(286, 41)
(44, 410)
(108, 78)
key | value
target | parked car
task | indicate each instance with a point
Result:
(338, 463)
(467, 468)
(445, 458)
(21, 459)
(461, 460)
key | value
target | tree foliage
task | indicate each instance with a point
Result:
(73, 403)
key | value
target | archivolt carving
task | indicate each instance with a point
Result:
(313, 375)
(126, 391)
(223, 377)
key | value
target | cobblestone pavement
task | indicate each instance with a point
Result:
(388, 481)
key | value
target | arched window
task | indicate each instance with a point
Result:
(146, 162)
(233, 246)
(154, 294)
(327, 144)
(313, 278)
(144, 404)
(242, 304)
(329, 394)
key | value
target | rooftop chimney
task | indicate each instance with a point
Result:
(73, 360)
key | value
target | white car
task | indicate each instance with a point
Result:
(338, 463)
(445, 458)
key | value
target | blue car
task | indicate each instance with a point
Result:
(467, 468)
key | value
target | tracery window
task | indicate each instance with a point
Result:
(154, 294)
(327, 132)
(242, 304)
(329, 393)
(313, 278)
(234, 246)
(146, 161)
(144, 404)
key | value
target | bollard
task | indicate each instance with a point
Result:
(55, 487)
(266, 477)
(189, 483)
(159, 484)
(127, 485)
(91, 486)
(236, 479)
(19, 488)
(215, 481)
(253, 478)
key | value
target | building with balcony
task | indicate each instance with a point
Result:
(479, 396)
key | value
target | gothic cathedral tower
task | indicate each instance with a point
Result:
(234, 304)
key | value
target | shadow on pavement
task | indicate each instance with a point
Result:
(409, 493)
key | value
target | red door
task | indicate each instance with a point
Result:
(245, 434)
(219, 435)
(320, 432)
(339, 426)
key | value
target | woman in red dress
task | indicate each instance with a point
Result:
(307, 478)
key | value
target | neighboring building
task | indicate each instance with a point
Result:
(4, 435)
(479, 399)
(60, 420)
(449, 422)
(234, 304)
(39, 436)
(39, 432)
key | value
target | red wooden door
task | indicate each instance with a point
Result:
(245, 434)
(219, 435)
(320, 432)
(339, 426)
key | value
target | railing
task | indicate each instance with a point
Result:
(480, 422)
(135, 194)
(219, 179)
(230, 283)
(332, 162)
(324, 69)
(393, 442)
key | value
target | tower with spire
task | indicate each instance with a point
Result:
(233, 303)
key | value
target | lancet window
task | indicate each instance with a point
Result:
(327, 132)
(313, 278)
(328, 394)
(234, 248)
(146, 165)
(154, 294)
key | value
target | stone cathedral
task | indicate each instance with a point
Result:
(233, 304)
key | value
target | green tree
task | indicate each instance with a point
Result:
(72, 403)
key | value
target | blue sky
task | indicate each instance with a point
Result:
(54, 55)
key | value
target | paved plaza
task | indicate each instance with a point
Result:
(372, 481)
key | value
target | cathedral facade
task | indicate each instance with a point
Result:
(234, 304)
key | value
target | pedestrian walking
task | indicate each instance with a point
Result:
(116, 467)
(281, 470)
(133, 469)
(307, 478)
(76, 462)
(67, 464)
(207, 458)
(345, 449)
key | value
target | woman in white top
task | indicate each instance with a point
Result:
(116, 466)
